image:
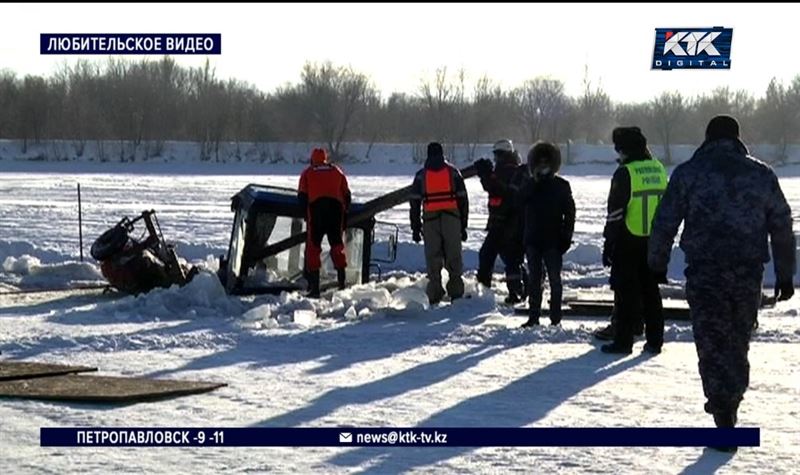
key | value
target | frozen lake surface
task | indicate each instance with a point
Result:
(374, 355)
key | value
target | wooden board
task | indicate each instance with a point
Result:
(13, 370)
(670, 311)
(102, 388)
(601, 308)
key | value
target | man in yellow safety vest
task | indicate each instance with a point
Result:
(636, 190)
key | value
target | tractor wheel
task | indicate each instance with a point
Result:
(109, 243)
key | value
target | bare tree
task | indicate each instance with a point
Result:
(209, 112)
(541, 106)
(594, 111)
(145, 102)
(333, 95)
(722, 100)
(779, 116)
(32, 114)
(667, 110)
(372, 120)
(460, 120)
(490, 118)
(9, 92)
(439, 100)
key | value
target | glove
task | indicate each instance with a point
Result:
(463, 235)
(784, 290)
(660, 277)
(416, 235)
(484, 167)
(607, 260)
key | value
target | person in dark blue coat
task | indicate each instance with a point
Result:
(549, 216)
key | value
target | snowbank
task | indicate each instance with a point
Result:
(399, 295)
(21, 248)
(31, 273)
(198, 251)
(204, 296)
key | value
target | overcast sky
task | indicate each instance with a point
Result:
(397, 44)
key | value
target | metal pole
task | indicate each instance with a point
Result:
(80, 222)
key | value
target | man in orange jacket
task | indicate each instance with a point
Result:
(439, 211)
(324, 194)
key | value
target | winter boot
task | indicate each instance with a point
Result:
(485, 280)
(725, 420)
(533, 321)
(616, 349)
(652, 349)
(341, 275)
(607, 333)
(313, 284)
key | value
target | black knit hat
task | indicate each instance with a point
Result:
(435, 150)
(629, 140)
(722, 127)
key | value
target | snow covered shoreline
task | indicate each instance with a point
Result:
(383, 158)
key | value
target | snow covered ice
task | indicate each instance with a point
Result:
(373, 355)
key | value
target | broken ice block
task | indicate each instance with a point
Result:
(305, 317)
(351, 314)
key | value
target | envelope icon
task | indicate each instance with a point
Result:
(345, 437)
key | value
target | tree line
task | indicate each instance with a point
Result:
(146, 102)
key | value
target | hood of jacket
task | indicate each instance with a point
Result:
(434, 163)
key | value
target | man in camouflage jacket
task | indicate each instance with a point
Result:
(729, 203)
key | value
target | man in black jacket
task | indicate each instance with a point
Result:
(439, 212)
(503, 181)
(549, 224)
(607, 333)
(636, 190)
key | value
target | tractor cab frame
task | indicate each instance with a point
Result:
(266, 253)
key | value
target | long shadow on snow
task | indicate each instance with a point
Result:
(151, 339)
(342, 346)
(339, 347)
(708, 463)
(53, 305)
(520, 403)
(417, 377)
(118, 309)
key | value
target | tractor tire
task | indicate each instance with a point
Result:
(109, 243)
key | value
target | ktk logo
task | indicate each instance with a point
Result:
(696, 43)
(692, 48)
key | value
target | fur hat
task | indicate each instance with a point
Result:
(629, 140)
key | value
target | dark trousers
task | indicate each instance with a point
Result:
(724, 301)
(507, 243)
(325, 218)
(539, 261)
(636, 293)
